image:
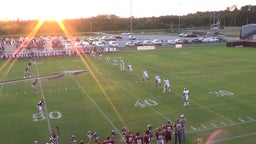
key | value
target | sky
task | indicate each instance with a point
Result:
(69, 9)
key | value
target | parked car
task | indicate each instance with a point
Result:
(147, 42)
(129, 44)
(171, 42)
(132, 37)
(157, 42)
(113, 44)
(178, 41)
(138, 43)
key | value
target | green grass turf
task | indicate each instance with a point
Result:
(221, 81)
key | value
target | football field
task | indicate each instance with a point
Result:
(86, 93)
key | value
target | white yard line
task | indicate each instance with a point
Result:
(45, 107)
(230, 138)
(92, 100)
(131, 94)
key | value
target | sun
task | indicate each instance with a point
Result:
(50, 18)
(4, 19)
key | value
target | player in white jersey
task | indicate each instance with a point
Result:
(108, 59)
(129, 67)
(114, 62)
(166, 85)
(186, 96)
(158, 80)
(122, 65)
(145, 75)
(40, 106)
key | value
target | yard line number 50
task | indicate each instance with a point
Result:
(52, 115)
(146, 103)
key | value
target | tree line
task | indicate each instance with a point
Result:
(232, 16)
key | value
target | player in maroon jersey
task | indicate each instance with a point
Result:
(96, 141)
(27, 72)
(54, 137)
(108, 140)
(129, 138)
(34, 85)
(159, 135)
(168, 132)
(147, 137)
(138, 139)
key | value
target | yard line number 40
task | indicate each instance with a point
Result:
(145, 103)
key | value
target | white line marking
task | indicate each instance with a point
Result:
(241, 120)
(229, 125)
(251, 119)
(223, 123)
(92, 100)
(127, 91)
(204, 126)
(45, 108)
(213, 124)
(193, 128)
(230, 138)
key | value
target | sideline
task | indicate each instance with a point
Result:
(230, 138)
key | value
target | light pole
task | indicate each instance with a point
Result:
(179, 23)
(131, 34)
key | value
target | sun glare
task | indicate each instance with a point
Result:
(4, 19)
(50, 18)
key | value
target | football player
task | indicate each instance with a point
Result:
(40, 106)
(186, 96)
(123, 133)
(27, 72)
(159, 135)
(145, 75)
(90, 135)
(122, 65)
(158, 80)
(168, 132)
(166, 85)
(129, 138)
(138, 139)
(129, 68)
(108, 59)
(108, 140)
(96, 136)
(114, 62)
(147, 137)
(73, 139)
(54, 137)
(113, 135)
(34, 85)
(35, 142)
